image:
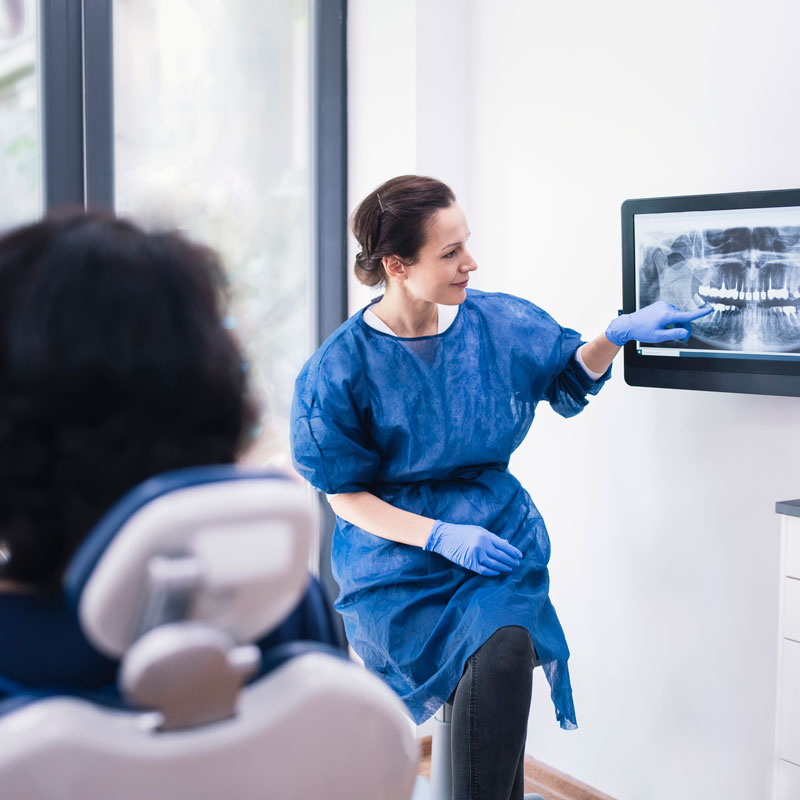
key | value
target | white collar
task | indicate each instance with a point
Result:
(447, 315)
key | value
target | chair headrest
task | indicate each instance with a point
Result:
(212, 544)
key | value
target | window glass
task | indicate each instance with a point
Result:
(212, 134)
(20, 185)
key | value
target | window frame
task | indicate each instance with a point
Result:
(61, 32)
(330, 149)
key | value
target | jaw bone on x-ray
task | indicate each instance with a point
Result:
(750, 274)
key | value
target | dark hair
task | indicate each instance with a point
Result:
(392, 221)
(114, 365)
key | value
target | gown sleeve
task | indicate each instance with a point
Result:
(570, 384)
(330, 444)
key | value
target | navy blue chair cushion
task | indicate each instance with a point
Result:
(109, 697)
(47, 654)
(46, 650)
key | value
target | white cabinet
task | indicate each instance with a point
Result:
(791, 608)
(787, 783)
(789, 710)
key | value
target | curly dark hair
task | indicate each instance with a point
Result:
(115, 365)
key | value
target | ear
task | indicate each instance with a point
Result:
(395, 268)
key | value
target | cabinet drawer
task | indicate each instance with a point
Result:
(789, 747)
(793, 546)
(791, 609)
(788, 781)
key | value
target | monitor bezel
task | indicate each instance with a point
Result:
(746, 376)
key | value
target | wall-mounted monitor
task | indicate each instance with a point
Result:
(738, 253)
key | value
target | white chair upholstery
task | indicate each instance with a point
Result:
(316, 727)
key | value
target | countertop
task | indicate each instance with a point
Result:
(790, 507)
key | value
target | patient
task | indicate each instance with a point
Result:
(115, 365)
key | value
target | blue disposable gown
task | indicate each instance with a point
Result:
(428, 424)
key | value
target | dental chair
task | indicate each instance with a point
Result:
(178, 582)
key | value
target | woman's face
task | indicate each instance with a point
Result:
(441, 273)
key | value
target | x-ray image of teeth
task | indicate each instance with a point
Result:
(749, 274)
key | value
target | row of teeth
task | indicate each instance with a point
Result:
(788, 310)
(712, 293)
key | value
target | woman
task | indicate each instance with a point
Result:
(407, 416)
(115, 365)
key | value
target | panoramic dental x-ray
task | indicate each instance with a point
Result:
(744, 263)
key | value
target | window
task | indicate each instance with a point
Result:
(20, 185)
(212, 133)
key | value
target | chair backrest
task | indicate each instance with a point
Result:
(217, 545)
(178, 581)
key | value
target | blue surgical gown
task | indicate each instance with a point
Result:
(428, 424)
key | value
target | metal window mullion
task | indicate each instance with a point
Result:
(62, 103)
(330, 179)
(98, 116)
(331, 163)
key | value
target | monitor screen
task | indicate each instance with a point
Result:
(739, 254)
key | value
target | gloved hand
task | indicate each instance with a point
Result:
(473, 547)
(648, 324)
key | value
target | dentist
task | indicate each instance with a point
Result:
(407, 417)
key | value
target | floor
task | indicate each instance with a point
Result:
(539, 777)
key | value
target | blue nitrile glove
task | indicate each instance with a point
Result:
(648, 324)
(473, 547)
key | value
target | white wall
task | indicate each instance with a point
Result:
(382, 104)
(408, 86)
(660, 503)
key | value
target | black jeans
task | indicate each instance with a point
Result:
(491, 705)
